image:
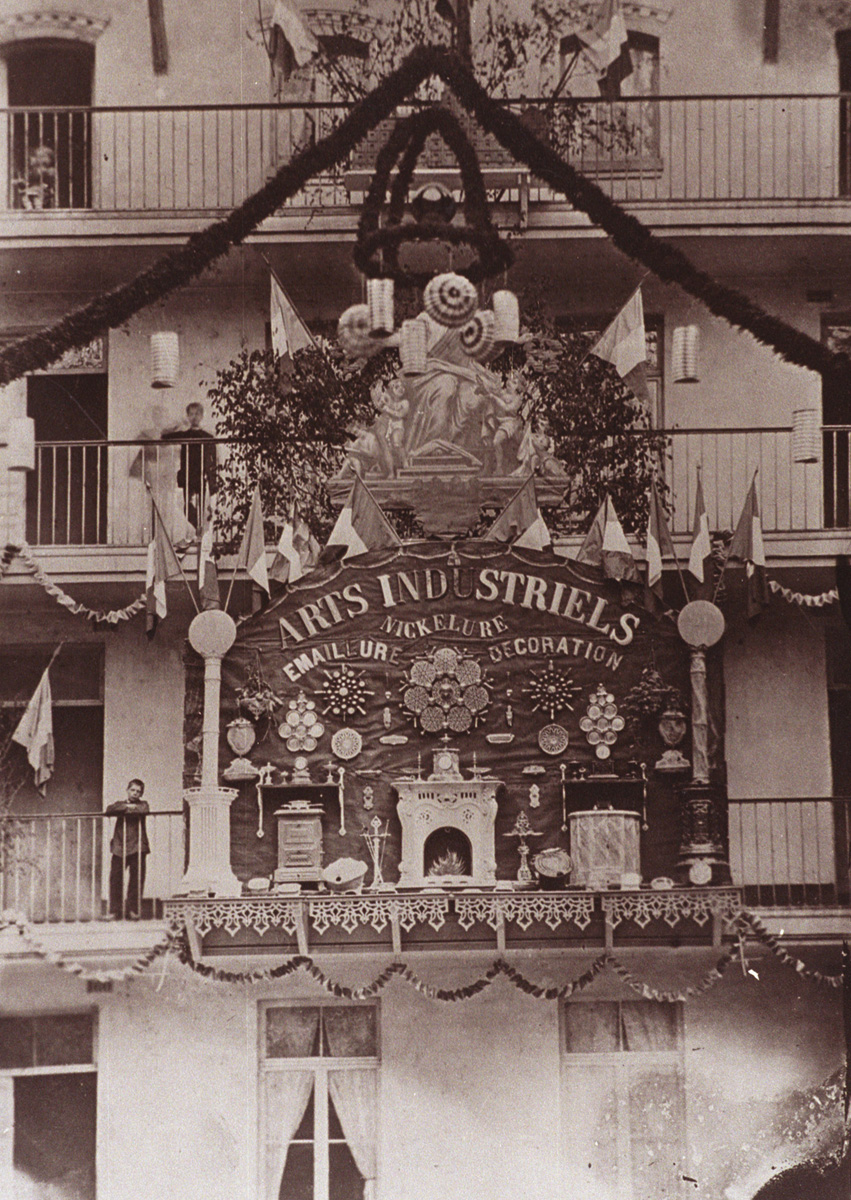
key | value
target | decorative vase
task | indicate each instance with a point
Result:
(672, 726)
(241, 736)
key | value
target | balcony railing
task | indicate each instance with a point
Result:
(56, 868)
(642, 150)
(100, 493)
(791, 852)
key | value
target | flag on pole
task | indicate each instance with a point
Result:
(606, 546)
(521, 521)
(289, 332)
(252, 551)
(208, 576)
(361, 527)
(287, 21)
(747, 547)
(162, 566)
(296, 553)
(34, 732)
(700, 555)
(660, 544)
(606, 44)
(624, 345)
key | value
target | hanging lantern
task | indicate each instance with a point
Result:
(477, 335)
(20, 444)
(806, 435)
(379, 295)
(412, 347)
(353, 331)
(165, 359)
(450, 299)
(684, 353)
(506, 311)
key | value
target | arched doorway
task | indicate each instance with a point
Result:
(49, 84)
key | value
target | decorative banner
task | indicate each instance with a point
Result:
(403, 653)
(803, 599)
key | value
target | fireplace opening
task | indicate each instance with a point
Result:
(448, 851)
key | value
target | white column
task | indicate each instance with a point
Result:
(212, 633)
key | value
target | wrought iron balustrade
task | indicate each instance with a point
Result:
(55, 867)
(714, 149)
(791, 852)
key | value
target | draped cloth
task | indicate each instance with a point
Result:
(287, 1094)
(354, 1097)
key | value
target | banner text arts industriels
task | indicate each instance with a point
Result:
(498, 653)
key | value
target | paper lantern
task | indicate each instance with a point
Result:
(450, 299)
(477, 335)
(684, 353)
(412, 347)
(20, 448)
(506, 311)
(806, 435)
(379, 295)
(165, 359)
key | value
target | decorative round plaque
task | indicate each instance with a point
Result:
(347, 743)
(553, 739)
(701, 623)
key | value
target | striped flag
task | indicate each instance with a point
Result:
(660, 544)
(361, 527)
(700, 555)
(162, 566)
(606, 546)
(623, 344)
(252, 551)
(606, 44)
(296, 553)
(289, 332)
(521, 521)
(747, 546)
(34, 732)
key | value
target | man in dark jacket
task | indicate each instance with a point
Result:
(129, 848)
(197, 473)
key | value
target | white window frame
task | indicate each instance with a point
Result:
(622, 1064)
(319, 1066)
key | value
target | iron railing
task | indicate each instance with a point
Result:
(57, 867)
(642, 150)
(791, 852)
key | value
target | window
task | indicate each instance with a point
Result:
(48, 1098)
(836, 417)
(319, 1080)
(624, 1093)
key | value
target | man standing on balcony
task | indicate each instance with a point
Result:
(129, 848)
(197, 473)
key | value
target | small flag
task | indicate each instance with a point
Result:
(34, 732)
(208, 576)
(162, 566)
(302, 43)
(296, 553)
(606, 546)
(607, 46)
(660, 544)
(289, 332)
(521, 521)
(624, 345)
(700, 555)
(252, 551)
(361, 527)
(747, 546)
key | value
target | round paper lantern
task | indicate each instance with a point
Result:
(506, 311)
(701, 623)
(353, 331)
(685, 347)
(806, 435)
(477, 336)
(165, 359)
(450, 299)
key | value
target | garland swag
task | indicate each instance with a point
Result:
(634, 239)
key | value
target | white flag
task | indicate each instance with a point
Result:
(289, 332)
(34, 732)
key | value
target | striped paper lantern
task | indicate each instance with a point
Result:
(806, 435)
(165, 359)
(685, 348)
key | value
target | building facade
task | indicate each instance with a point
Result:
(255, 1034)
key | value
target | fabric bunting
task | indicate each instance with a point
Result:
(361, 527)
(521, 521)
(606, 546)
(72, 967)
(803, 599)
(748, 921)
(99, 616)
(296, 553)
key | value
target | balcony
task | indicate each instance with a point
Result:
(91, 498)
(719, 152)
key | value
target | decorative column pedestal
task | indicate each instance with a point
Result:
(211, 634)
